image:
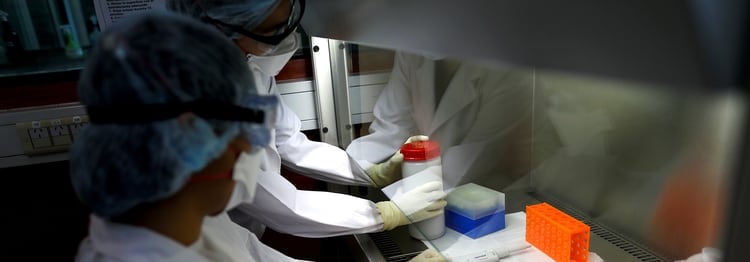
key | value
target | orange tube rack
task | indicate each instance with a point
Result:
(560, 236)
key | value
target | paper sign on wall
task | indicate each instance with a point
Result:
(109, 11)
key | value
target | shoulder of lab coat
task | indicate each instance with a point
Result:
(109, 241)
(503, 98)
(313, 159)
(237, 242)
(479, 109)
(477, 140)
(280, 206)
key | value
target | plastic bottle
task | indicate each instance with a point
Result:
(72, 48)
(418, 156)
(13, 50)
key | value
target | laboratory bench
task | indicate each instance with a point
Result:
(397, 245)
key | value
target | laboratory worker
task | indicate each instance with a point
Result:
(265, 30)
(480, 115)
(174, 141)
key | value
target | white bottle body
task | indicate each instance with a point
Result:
(431, 228)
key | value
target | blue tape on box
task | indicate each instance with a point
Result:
(475, 228)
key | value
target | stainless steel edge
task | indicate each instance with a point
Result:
(324, 99)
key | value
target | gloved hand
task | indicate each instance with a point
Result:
(429, 255)
(425, 201)
(385, 173)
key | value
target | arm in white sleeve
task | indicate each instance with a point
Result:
(313, 159)
(280, 206)
(393, 122)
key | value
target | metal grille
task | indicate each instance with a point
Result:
(629, 246)
(389, 249)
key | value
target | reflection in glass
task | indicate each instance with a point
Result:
(650, 163)
(480, 116)
(369, 71)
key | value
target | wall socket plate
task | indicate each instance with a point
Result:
(50, 135)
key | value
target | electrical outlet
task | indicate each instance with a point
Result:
(40, 137)
(76, 128)
(58, 130)
(59, 133)
(49, 136)
(38, 133)
(78, 122)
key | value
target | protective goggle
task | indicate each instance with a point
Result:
(255, 122)
(289, 44)
(281, 33)
(156, 112)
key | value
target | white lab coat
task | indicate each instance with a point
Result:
(220, 240)
(482, 121)
(281, 206)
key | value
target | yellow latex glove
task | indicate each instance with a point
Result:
(425, 201)
(429, 255)
(385, 173)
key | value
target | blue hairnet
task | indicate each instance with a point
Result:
(158, 58)
(246, 13)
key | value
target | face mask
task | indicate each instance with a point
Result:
(246, 171)
(270, 65)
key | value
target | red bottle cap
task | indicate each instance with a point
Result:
(420, 150)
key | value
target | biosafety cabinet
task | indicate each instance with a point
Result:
(629, 116)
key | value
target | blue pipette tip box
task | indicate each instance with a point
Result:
(475, 211)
